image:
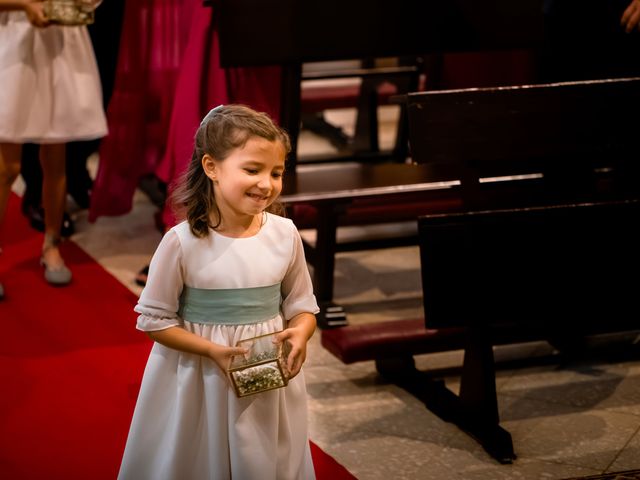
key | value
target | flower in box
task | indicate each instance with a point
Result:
(262, 368)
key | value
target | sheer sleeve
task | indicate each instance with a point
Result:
(297, 289)
(159, 301)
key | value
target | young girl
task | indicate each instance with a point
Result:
(50, 94)
(231, 271)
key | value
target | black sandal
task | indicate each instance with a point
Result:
(141, 277)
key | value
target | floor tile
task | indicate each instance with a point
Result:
(629, 457)
(590, 438)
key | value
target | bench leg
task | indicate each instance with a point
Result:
(331, 315)
(396, 367)
(290, 91)
(478, 401)
(475, 410)
(318, 124)
(366, 130)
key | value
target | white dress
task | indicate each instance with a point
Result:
(188, 422)
(50, 88)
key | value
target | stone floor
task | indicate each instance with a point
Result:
(566, 419)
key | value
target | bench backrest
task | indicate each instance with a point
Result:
(569, 268)
(558, 251)
(294, 31)
(567, 137)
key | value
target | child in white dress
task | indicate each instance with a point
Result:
(50, 94)
(231, 271)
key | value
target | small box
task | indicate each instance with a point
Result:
(262, 368)
(70, 12)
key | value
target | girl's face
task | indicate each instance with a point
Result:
(249, 179)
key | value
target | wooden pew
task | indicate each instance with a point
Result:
(292, 32)
(380, 81)
(332, 188)
(549, 256)
(559, 273)
(545, 245)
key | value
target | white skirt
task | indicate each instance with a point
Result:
(50, 88)
(189, 424)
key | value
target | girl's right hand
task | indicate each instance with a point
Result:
(35, 14)
(222, 355)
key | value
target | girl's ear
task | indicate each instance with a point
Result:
(209, 167)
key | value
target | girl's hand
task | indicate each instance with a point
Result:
(222, 355)
(35, 14)
(297, 338)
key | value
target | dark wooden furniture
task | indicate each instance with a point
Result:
(558, 273)
(292, 32)
(390, 341)
(547, 242)
(543, 246)
(379, 84)
(554, 142)
(332, 188)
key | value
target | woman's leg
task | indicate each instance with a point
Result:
(54, 190)
(9, 170)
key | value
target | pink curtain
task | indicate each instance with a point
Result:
(168, 77)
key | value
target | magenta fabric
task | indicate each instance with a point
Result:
(188, 103)
(168, 77)
(258, 87)
(154, 34)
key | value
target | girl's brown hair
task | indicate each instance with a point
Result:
(222, 130)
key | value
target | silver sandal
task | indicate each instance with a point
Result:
(54, 276)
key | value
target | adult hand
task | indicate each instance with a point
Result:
(631, 17)
(35, 14)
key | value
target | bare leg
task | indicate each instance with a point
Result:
(9, 171)
(54, 189)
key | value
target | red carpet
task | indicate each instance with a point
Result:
(70, 367)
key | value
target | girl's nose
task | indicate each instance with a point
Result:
(264, 182)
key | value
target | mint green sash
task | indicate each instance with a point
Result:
(232, 306)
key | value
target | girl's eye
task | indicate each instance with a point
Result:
(251, 171)
(276, 174)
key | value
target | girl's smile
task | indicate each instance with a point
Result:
(258, 197)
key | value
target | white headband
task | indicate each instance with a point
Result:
(211, 113)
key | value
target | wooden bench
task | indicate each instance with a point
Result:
(546, 242)
(543, 246)
(377, 81)
(332, 188)
(558, 272)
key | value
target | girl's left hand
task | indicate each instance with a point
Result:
(296, 337)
